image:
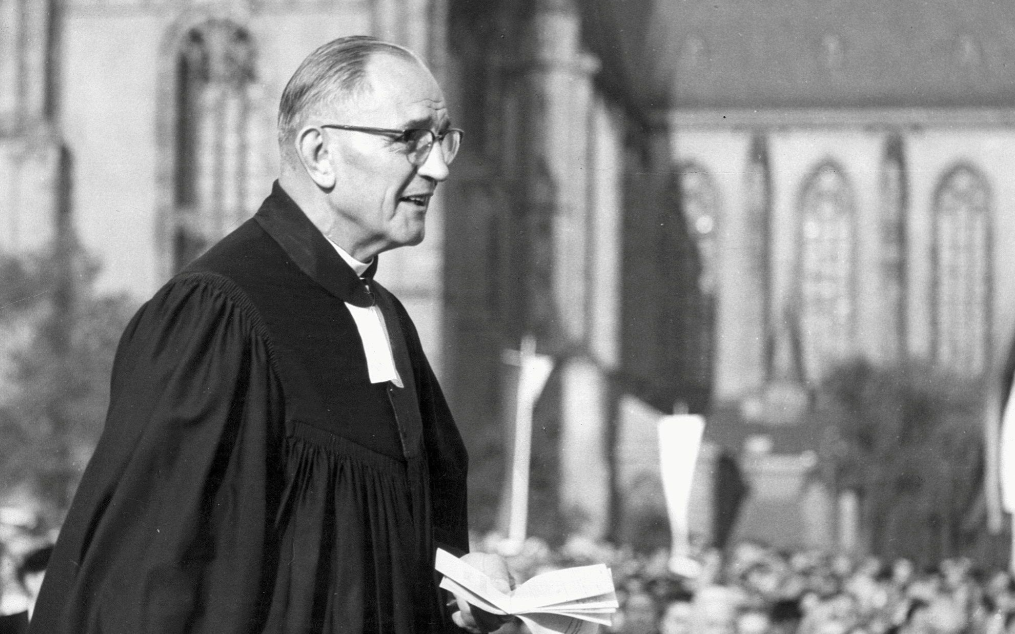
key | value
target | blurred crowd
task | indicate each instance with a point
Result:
(747, 589)
(751, 589)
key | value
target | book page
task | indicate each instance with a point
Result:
(601, 619)
(557, 624)
(564, 601)
(469, 596)
(472, 580)
(602, 601)
(563, 586)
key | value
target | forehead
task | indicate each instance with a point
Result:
(402, 93)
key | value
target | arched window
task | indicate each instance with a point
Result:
(894, 205)
(215, 165)
(961, 256)
(827, 264)
(699, 200)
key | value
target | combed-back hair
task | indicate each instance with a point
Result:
(333, 73)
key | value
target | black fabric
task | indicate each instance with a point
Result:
(249, 477)
(14, 623)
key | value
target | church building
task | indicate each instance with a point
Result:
(704, 205)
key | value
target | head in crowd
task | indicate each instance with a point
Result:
(715, 610)
(640, 613)
(678, 614)
(753, 619)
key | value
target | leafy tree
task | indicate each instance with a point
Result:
(908, 439)
(60, 337)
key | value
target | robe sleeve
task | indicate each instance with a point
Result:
(173, 525)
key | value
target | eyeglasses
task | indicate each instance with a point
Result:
(418, 141)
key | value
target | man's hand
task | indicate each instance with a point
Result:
(474, 619)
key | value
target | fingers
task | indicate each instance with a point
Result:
(458, 620)
(476, 620)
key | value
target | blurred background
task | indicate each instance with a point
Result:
(785, 217)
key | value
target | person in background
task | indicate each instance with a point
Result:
(639, 614)
(753, 619)
(678, 614)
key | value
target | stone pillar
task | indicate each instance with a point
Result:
(25, 63)
(36, 66)
(555, 161)
(10, 62)
(32, 181)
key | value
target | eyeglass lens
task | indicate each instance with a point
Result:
(422, 143)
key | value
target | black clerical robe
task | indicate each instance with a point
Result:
(250, 478)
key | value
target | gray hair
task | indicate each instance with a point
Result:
(333, 73)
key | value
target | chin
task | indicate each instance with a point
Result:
(411, 238)
(416, 239)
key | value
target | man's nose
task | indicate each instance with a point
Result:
(435, 166)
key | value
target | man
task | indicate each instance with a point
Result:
(278, 456)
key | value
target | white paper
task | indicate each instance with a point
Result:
(570, 601)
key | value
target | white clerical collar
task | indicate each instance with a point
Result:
(373, 331)
(357, 266)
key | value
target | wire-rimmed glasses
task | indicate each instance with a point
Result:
(418, 141)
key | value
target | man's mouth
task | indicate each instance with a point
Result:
(418, 199)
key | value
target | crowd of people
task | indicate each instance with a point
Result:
(751, 589)
(747, 589)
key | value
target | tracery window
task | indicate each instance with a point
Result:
(961, 256)
(827, 263)
(216, 137)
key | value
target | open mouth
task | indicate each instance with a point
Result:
(419, 199)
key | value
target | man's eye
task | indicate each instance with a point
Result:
(401, 141)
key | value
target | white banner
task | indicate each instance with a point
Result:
(679, 444)
(534, 370)
(1006, 454)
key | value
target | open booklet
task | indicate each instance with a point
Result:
(569, 601)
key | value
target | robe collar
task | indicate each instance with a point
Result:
(307, 247)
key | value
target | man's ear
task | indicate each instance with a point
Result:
(315, 156)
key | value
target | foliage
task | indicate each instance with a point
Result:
(908, 438)
(61, 335)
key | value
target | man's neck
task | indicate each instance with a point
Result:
(356, 265)
(314, 207)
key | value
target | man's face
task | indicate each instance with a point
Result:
(379, 194)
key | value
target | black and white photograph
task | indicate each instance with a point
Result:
(514, 316)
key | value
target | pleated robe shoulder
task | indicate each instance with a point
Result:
(250, 478)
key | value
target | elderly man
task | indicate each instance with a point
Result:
(278, 456)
